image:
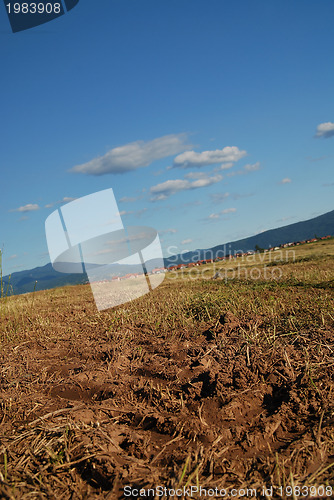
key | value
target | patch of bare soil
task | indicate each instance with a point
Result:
(83, 419)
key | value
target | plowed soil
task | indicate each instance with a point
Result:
(92, 403)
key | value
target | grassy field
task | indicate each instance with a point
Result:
(214, 383)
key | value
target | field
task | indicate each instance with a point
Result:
(214, 383)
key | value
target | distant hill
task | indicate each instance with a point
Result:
(47, 277)
(319, 226)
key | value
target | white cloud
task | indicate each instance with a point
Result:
(228, 210)
(137, 213)
(128, 199)
(168, 231)
(227, 155)
(224, 166)
(168, 188)
(186, 242)
(12, 257)
(252, 167)
(30, 207)
(286, 180)
(219, 197)
(66, 199)
(247, 169)
(196, 175)
(215, 216)
(325, 130)
(134, 155)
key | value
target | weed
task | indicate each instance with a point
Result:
(4, 288)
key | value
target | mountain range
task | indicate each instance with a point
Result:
(45, 277)
(322, 225)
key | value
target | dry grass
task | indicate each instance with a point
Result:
(218, 383)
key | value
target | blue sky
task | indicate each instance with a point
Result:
(211, 121)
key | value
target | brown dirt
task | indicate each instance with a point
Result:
(82, 417)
